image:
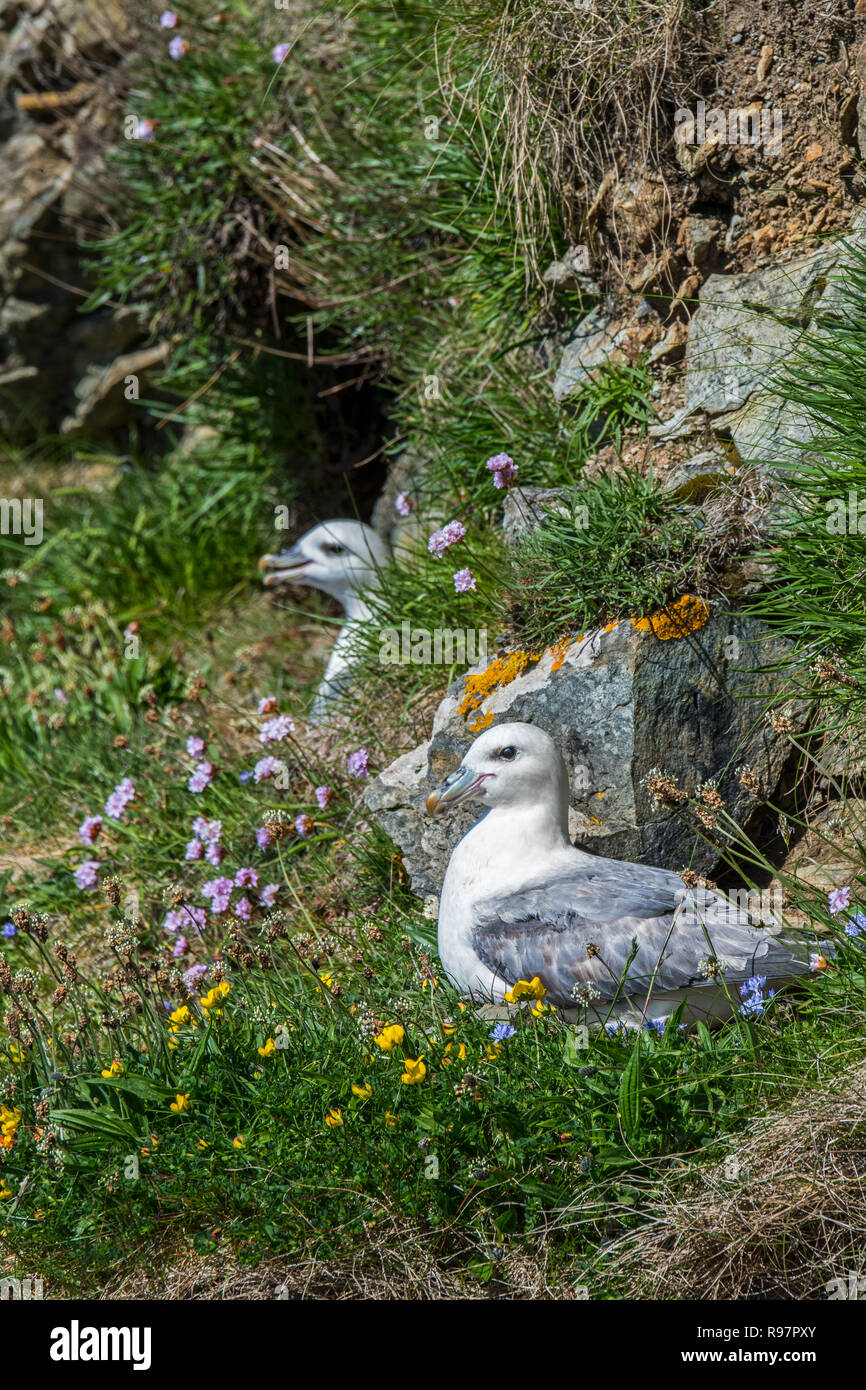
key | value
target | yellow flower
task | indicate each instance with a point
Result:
(16, 1053)
(493, 1051)
(239, 1141)
(390, 1036)
(390, 1119)
(363, 1092)
(116, 1068)
(182, 1103)
(5, 1190)
(269, 1049)
(526, 989)
(430, 984)
(203, 1144)
(327, 978)
(9, 1122)
(413, 1071)
(334, 1118)
(539, 1008)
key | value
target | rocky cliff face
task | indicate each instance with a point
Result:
(61, 76)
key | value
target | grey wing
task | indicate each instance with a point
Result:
(544, 930)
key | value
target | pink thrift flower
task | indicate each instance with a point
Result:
(275, 730)
(201, 777)
(215, 854)
(268, 894)
(216, 886)
(196, 746)
(464, 580)
(180, 946)
(243, 909)
(323, 796)
(281, 52)
(838, 899)
(267, 767)
(87, 874)
(194, 850)
(60, 695)
(192, 976)
(303, 825)
(168, 19)
(268, 705)
(503, 468)
(174, 920)
(90, 828)
(403, 504)
(220, 904)
(442, 540)
(264, 836)
(208, 831)
(178, 47)
(357, 763)
(247, 878)
(143, 131)
(120, 798)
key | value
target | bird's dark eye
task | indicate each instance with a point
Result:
(508, 753)
(333, 548)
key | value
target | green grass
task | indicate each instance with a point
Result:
(617, 547)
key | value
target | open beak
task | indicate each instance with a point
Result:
(288, 565)
(459, 786)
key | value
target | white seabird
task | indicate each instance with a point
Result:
(520, 901)
(344, 559)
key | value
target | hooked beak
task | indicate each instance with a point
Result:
(288, 565)
(459, 786)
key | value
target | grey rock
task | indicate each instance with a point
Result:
(596, 337)
(526, 507)
(619, 703)
(700, 239)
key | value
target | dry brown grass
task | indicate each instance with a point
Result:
(784, 1220)
(574, 87)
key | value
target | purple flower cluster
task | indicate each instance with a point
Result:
(449, 535)
(87, 874)
(206, 843)
(838, 899)
(323, 796)
(503, 468)
(89, 829)
(403, 504)
(196, 746)
(303, 825)
(357, 764)
(275, 730)
(266, 768)
(464, 580)
(202, 777)
(120, 798)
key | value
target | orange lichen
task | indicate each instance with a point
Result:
(502, 671)
(481, 723)
(688, 614)
(559, 651)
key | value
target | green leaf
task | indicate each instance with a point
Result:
(630, 1094)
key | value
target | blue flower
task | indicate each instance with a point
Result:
(245, 776)
(856, 924)
(9, 929)
(654, 1025)
(754, 985)
(501, 1033)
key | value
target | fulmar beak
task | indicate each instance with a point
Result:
(288, 565)
(459, 786)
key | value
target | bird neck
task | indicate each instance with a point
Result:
(514, 834)
(356, 608)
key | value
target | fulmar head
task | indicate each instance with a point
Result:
(507, 765)
(339, 557)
